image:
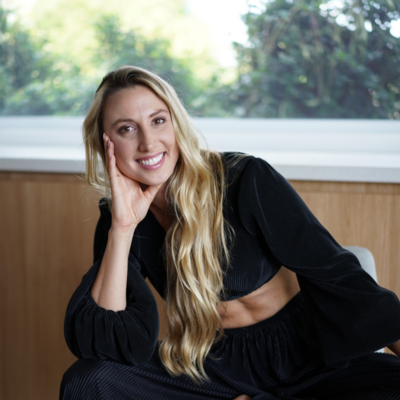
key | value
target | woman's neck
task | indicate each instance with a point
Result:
(159, 202)
(159, 208)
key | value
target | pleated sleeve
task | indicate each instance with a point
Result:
(127, 336)
(352, 314)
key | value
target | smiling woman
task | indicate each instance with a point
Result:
(136, 116)
(261, 301)
(139, 129)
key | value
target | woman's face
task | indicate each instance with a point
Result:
(139, 124)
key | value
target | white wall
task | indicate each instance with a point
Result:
(333, 150)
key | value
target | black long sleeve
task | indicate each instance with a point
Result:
(353, 315)
(128, 336)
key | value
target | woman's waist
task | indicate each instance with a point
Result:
(261, 304)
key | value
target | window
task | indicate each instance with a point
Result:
(300, 59)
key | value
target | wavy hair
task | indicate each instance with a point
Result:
(195, 248)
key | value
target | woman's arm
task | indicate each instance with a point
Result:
(113, 313)
(128, 336)
(129, 206)
(344, 301)
(109, 288)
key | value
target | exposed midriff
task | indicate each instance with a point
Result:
(262, 303)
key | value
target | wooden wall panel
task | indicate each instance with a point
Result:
(359, 214)
(46, 241)
(48, 221)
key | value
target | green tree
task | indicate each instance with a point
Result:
(119, 47)
(32, 81)
(36, 82)
(20, 61)
(311, 58)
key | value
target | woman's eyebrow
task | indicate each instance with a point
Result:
(157, 112)
(121, 120)
(131, 120)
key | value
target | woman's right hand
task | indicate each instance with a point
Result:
(129, 203)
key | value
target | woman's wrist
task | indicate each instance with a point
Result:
(122, 232)
(109, 287)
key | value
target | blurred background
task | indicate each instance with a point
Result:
(243, 58)
(311, 86)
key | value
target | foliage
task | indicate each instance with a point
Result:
(35, 82)
(69, 27)
(32, 81)
(309, 58)
(304, 58)
(20, 60)
(120, 47)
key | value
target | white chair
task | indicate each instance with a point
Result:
(368, 264)
(366, 259)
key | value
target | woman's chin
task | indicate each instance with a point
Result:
(141, 179)
(145, 183)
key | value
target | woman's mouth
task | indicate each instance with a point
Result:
(152, 163)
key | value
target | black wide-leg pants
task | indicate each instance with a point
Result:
(274, 359)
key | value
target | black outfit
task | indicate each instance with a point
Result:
(319, 346)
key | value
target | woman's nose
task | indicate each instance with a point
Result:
(146, 140)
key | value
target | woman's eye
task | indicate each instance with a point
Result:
(159, 121)
(126, 129)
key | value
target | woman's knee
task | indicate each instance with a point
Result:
(81, 380)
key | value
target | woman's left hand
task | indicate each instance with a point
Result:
(242, 397)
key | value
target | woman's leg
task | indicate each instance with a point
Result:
(372, 377)
(89, 379)
(281, 357)
(276, 359)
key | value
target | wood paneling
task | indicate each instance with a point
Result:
(48, 221)
(46, 247)
(361, 214)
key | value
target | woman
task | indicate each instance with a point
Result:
(229, 244)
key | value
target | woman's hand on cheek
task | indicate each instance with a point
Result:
(129, 203)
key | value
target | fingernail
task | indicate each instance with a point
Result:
(104, 136)
(108, 143)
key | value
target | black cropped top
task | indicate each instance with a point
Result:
(273, 227)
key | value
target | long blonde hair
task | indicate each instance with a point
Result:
(196, 243)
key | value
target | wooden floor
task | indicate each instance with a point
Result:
(48, 221)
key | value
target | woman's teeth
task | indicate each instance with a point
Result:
(152, 161)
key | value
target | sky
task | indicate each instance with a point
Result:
(224, 22)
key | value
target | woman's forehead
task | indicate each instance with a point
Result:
(138, 100)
